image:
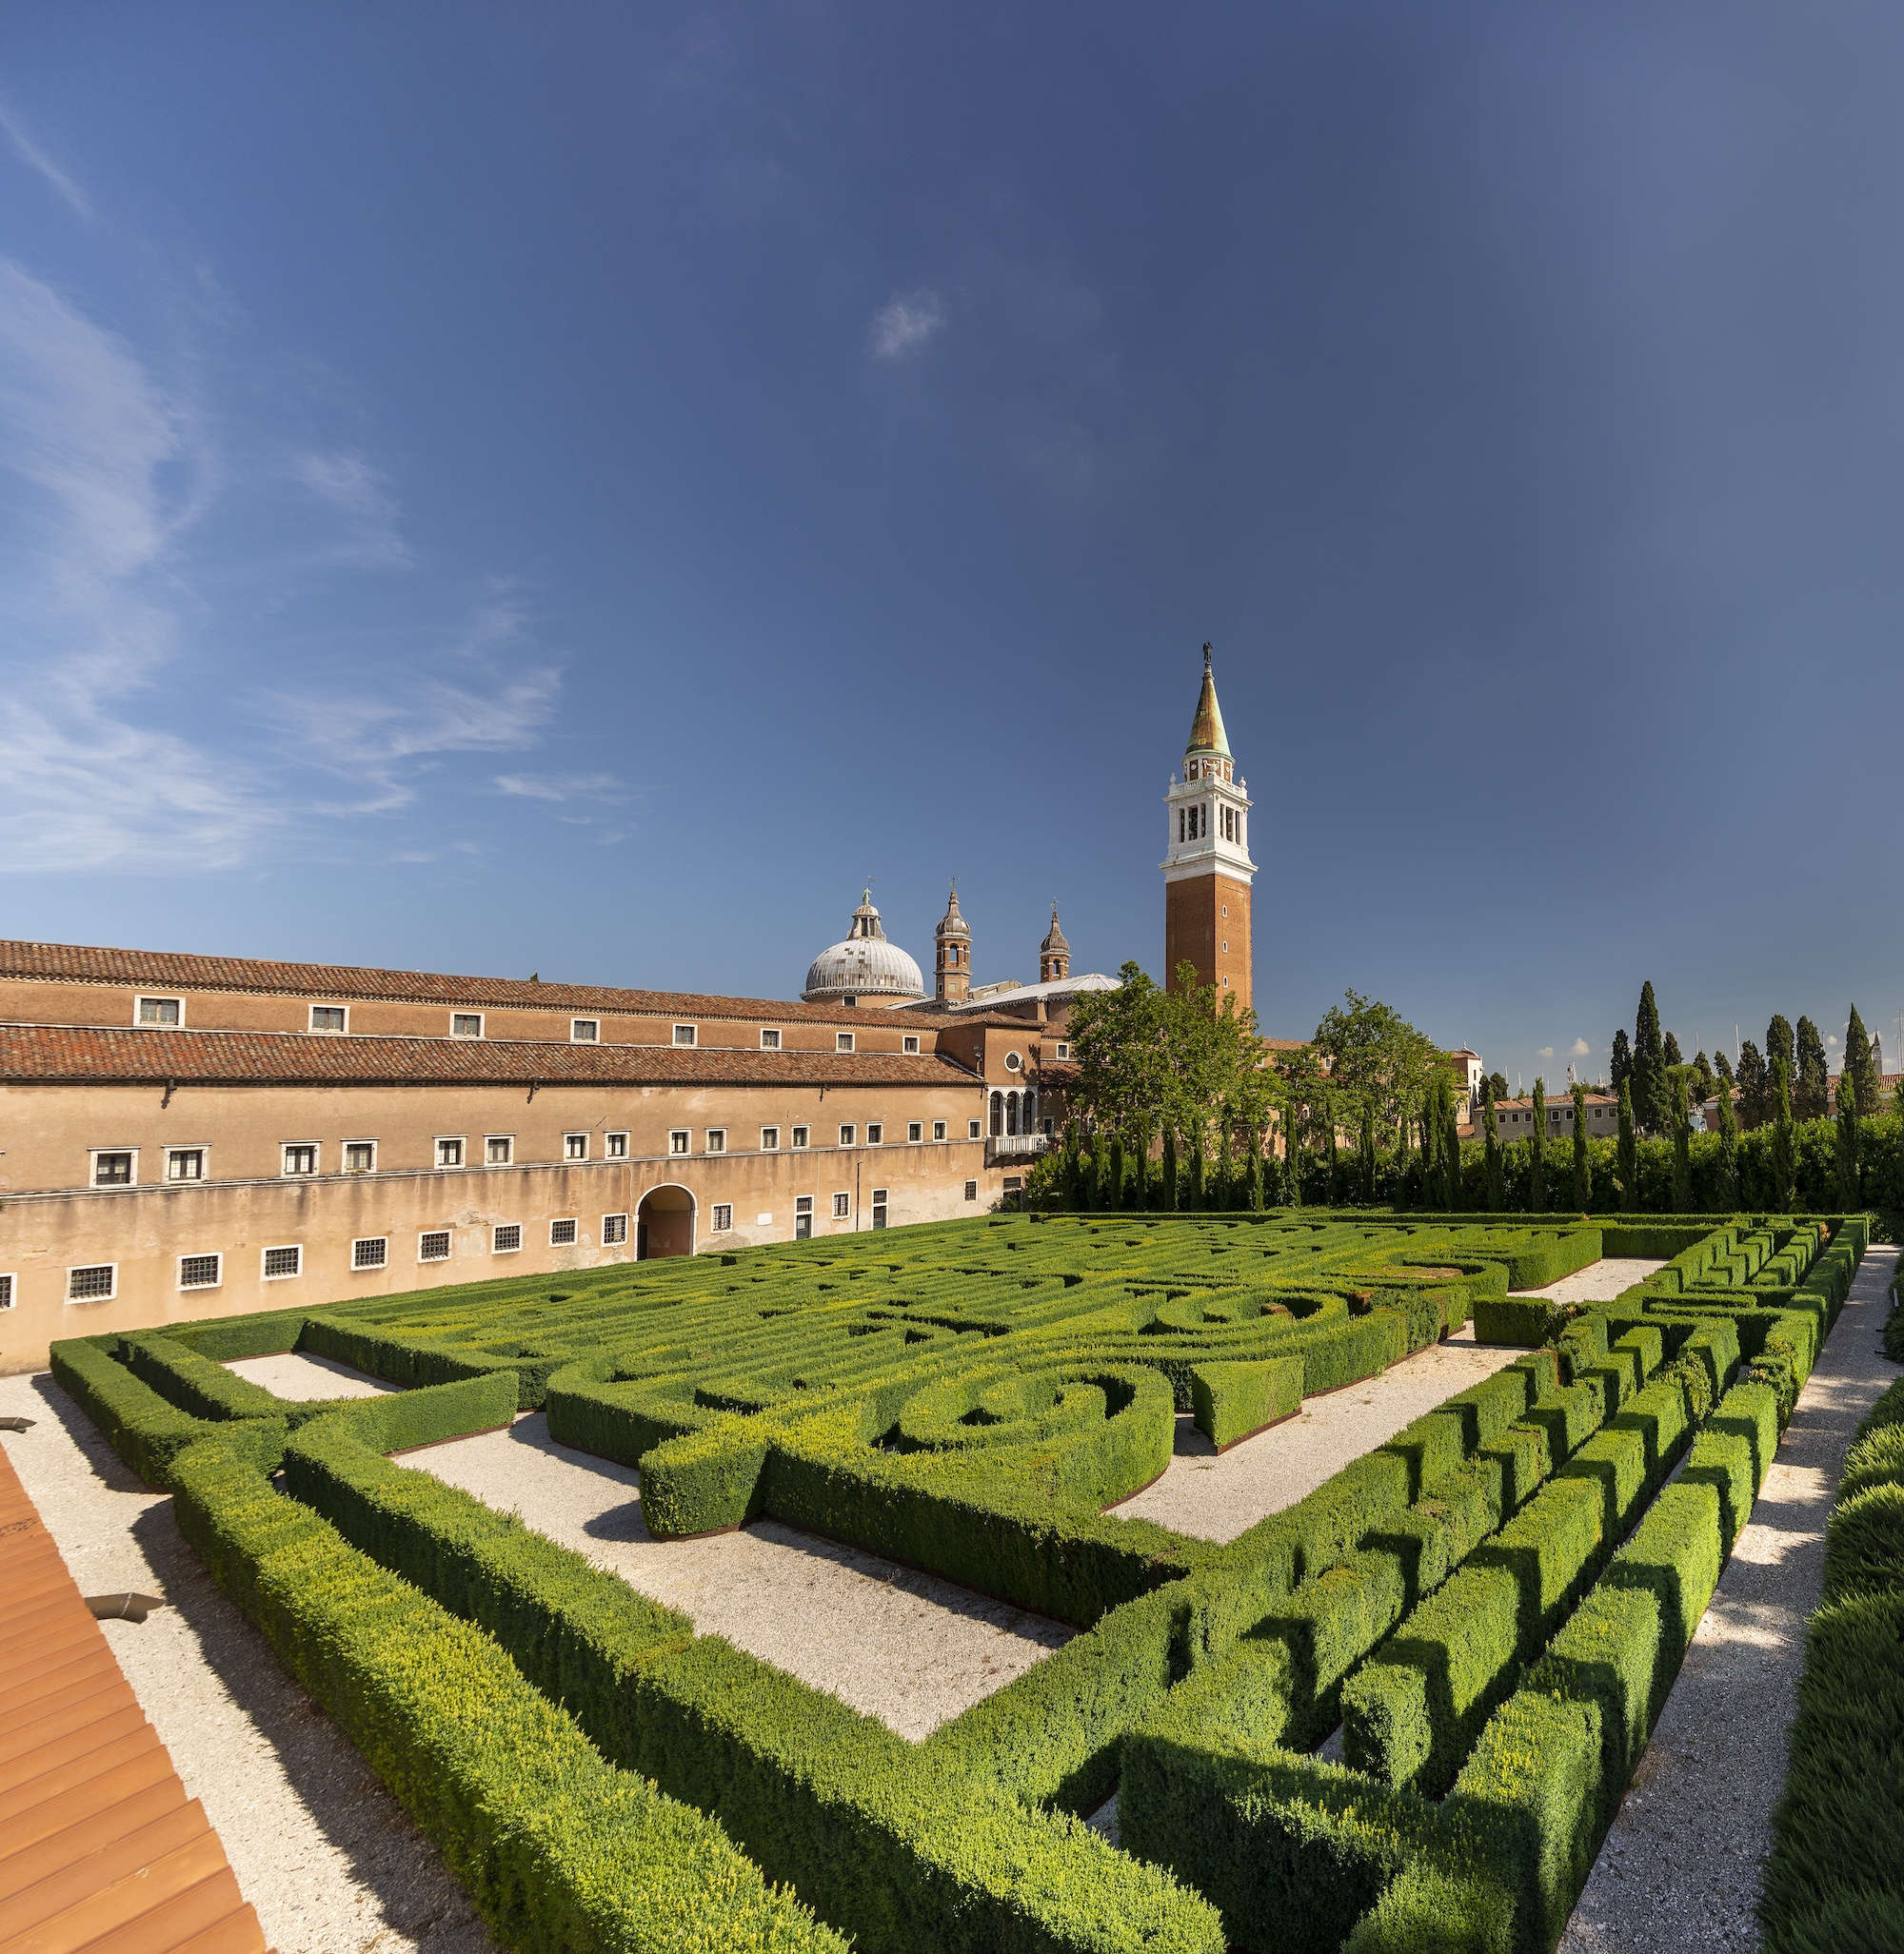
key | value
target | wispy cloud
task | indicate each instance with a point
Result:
(36, 157)
(601, 787)
(906, 323)
(360, 493)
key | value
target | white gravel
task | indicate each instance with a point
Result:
(1217, 1498)
(1682, 1864)
(908, 1648)
(1599, 1282)
(293, 1376)
(323, 1852)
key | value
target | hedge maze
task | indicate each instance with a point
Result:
(1490, 1608)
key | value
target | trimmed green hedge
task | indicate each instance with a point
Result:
(143, 1428)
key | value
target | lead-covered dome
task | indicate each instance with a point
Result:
(866, 965)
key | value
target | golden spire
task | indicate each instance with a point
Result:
(1206, 729)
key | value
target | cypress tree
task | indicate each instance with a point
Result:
(1226, 1177)
(1451, 1154)
(1784, 1139)
(1671, 1052)
(1705, 1081)
(1861, 1067)
(1496, 1193)
(1367, 1160)
(1812, 1088)
(1629, 1151)
(1622, 1059)
(1431, 1133)
(1682, 1145)
(1583, 1166)
(1848, 1195)
(1253, 1186)
(1068, 1166)
(1779, 1044)
(1087, 1178)
(1194, 1198)
(1110, 1166)
(1650, 1104)
(1292, 1154)
(1728, 1190)
(1536, 1163)
(1331, 1152)
(1755, 1087)
(1171, 1202)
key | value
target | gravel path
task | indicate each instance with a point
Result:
(908, 1648)
(1599, 1282)
(1217, 1498)
(1680, 1868)
(321, 1850)
(293, 1376)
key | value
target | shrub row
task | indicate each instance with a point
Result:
(145, 1429)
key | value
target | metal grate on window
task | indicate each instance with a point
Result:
(91, 1284)
(370, 1254)
(614, 1229)
(433, 1246)
(200, 1271)
(6, 1291)
(283, 1262)
(724, 1217)
(562, 1234)
(507, 1238)
(971, 1190)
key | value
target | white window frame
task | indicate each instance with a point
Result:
(611, 1239)
(842, 1041)
(568, 1147)
(1064, 1050)
(364, 1241)
(722, 1218)
(914, 1132)
(280, 1248)
(847, 1129)
(495, 1232)
(798, 1138)
(680, 1141)
(456, 1016)
(614, 1146)
(507, 1141)
(328, 1030)
(876, 1132)
(10, 1288)
(139, 1004)
(343, 1156)
(971, 1190)
(803, 1204)
(95, 1155)
(578, 1036)
(458, 1140)
(286, 1172)
(770, 1139)
(691, 1040)
(111, 1294)
(771, 1037)
(214, 1256)
(938, 1129)
(574, 1227)
(203, 1174)
(908, 1044)
(715, 1140)
(444, 1234)
(843, 1207)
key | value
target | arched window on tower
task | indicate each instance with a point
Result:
(997, 1121)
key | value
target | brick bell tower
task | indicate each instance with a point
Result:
(1207, 867)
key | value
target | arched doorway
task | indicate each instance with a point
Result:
(665, 1224)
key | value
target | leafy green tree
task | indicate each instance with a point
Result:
(1755, 1087)
(1629, 1151)
(1377, 1061)
(1860, 1063)
(1497, 1185)
(1171, 1192)
(1292, 1152)
(1682, 1147)
(1848, 1193)
(1672, 1054)
(1728, 1188)
(1537, 1159)
(1583, 1165)
(1784, 1138)
(1622, 1059)
(1722, 1066)
(1252, 1177)
(1110, 1164)
(1120, 1188)
(1197, 1197)
(1497, 1085)
(1811, 1083)
(1704, 1081)
(1650, 1104)
(1226, 1171)
(1365, 1162)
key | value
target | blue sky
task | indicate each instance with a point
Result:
(579, 489)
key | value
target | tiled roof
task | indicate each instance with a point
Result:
(59, 1054)
(182, 971)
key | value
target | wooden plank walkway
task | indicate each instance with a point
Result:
(100, 1848)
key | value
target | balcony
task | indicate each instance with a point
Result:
(1016, 1147)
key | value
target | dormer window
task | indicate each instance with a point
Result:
(330, 1017)
(686, 1033)
(162, 1012)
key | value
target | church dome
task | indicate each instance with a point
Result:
(866, 965)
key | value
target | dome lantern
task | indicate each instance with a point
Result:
(863, 965)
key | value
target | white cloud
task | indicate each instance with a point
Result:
(36, 157)
(603, 788)
(1831, 1038)
(906, 323)
(1546, 1052)
(360, 494)
(1580, 1049)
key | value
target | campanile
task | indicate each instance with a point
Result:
(1206, 866)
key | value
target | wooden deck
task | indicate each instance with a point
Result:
(100, 1848)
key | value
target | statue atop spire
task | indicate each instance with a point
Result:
(1206, 729)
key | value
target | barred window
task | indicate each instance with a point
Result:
(371, 1252)
(6, 1291)
(843, 1207)
(562, 1234)
(283, 1262)
(507, 1238)
(433, 1246)
(96, 1283)
(724, 1217)
(614, 1231)
(971, 1190)
(201, 1272)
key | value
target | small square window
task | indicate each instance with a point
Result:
(499, 1150)
(585, 1031)
(185, 1163)
(449, 1152)
(843, 1207)
(614, 1231)
(845, 1136)
(6, 1289)
(506, 1239)
(615, 1146)
(876, 1134)
(971, 1129)
(201, 1272)
(909, 1044)
(770, 1139)
(575, 1146)
(769, 1038)
(724, 1217)
(330, 1017)
(684, 1033)
(562, 1234)
(360, 1156)
(717, 1139)
(799, 1136)
(113, 1170)
(96, 1283)
(465, 1024)
(300, 1157)
(371, 1252)
(162, 1011)
(279, 1263)
(842, 1041)
(938, 1129)
(971, 1190)
(433, 1246)
(679, 1141)
(803, 1204)
(914, 1131)
(1064, 1050)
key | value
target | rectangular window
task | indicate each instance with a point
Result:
(615, 1146)
(909, 1044)
(585, 1031)
(876, 1134)
(433, 1245)
(879, 1206)
(1064, 1050)
(614, 1231)
(971, 1129)
(938, 1129)
(185, 1163)
(842, 1041)
(449, 1152)
(803, 1204)
(371, 1252)
(300, 1157)
(971, 1190)
(330, 1017)
(465, 1024)
(799, 1135)
(724, 1217)
(843, 1207)
(684, 1033)
(679, 1140)
(506, 1239)
(113, 1170)
(770, 1139)
(717, 1139)
(769, 1038)
(802, 1218)
(280, 1263)
(201, 1272)
(161, 1011)
(6, 1291)
(575, 1146)
(845, 1136)
(360, 1156)
(96, 1283)
(562, 1234)
(499, 1150)
(914, 1131)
